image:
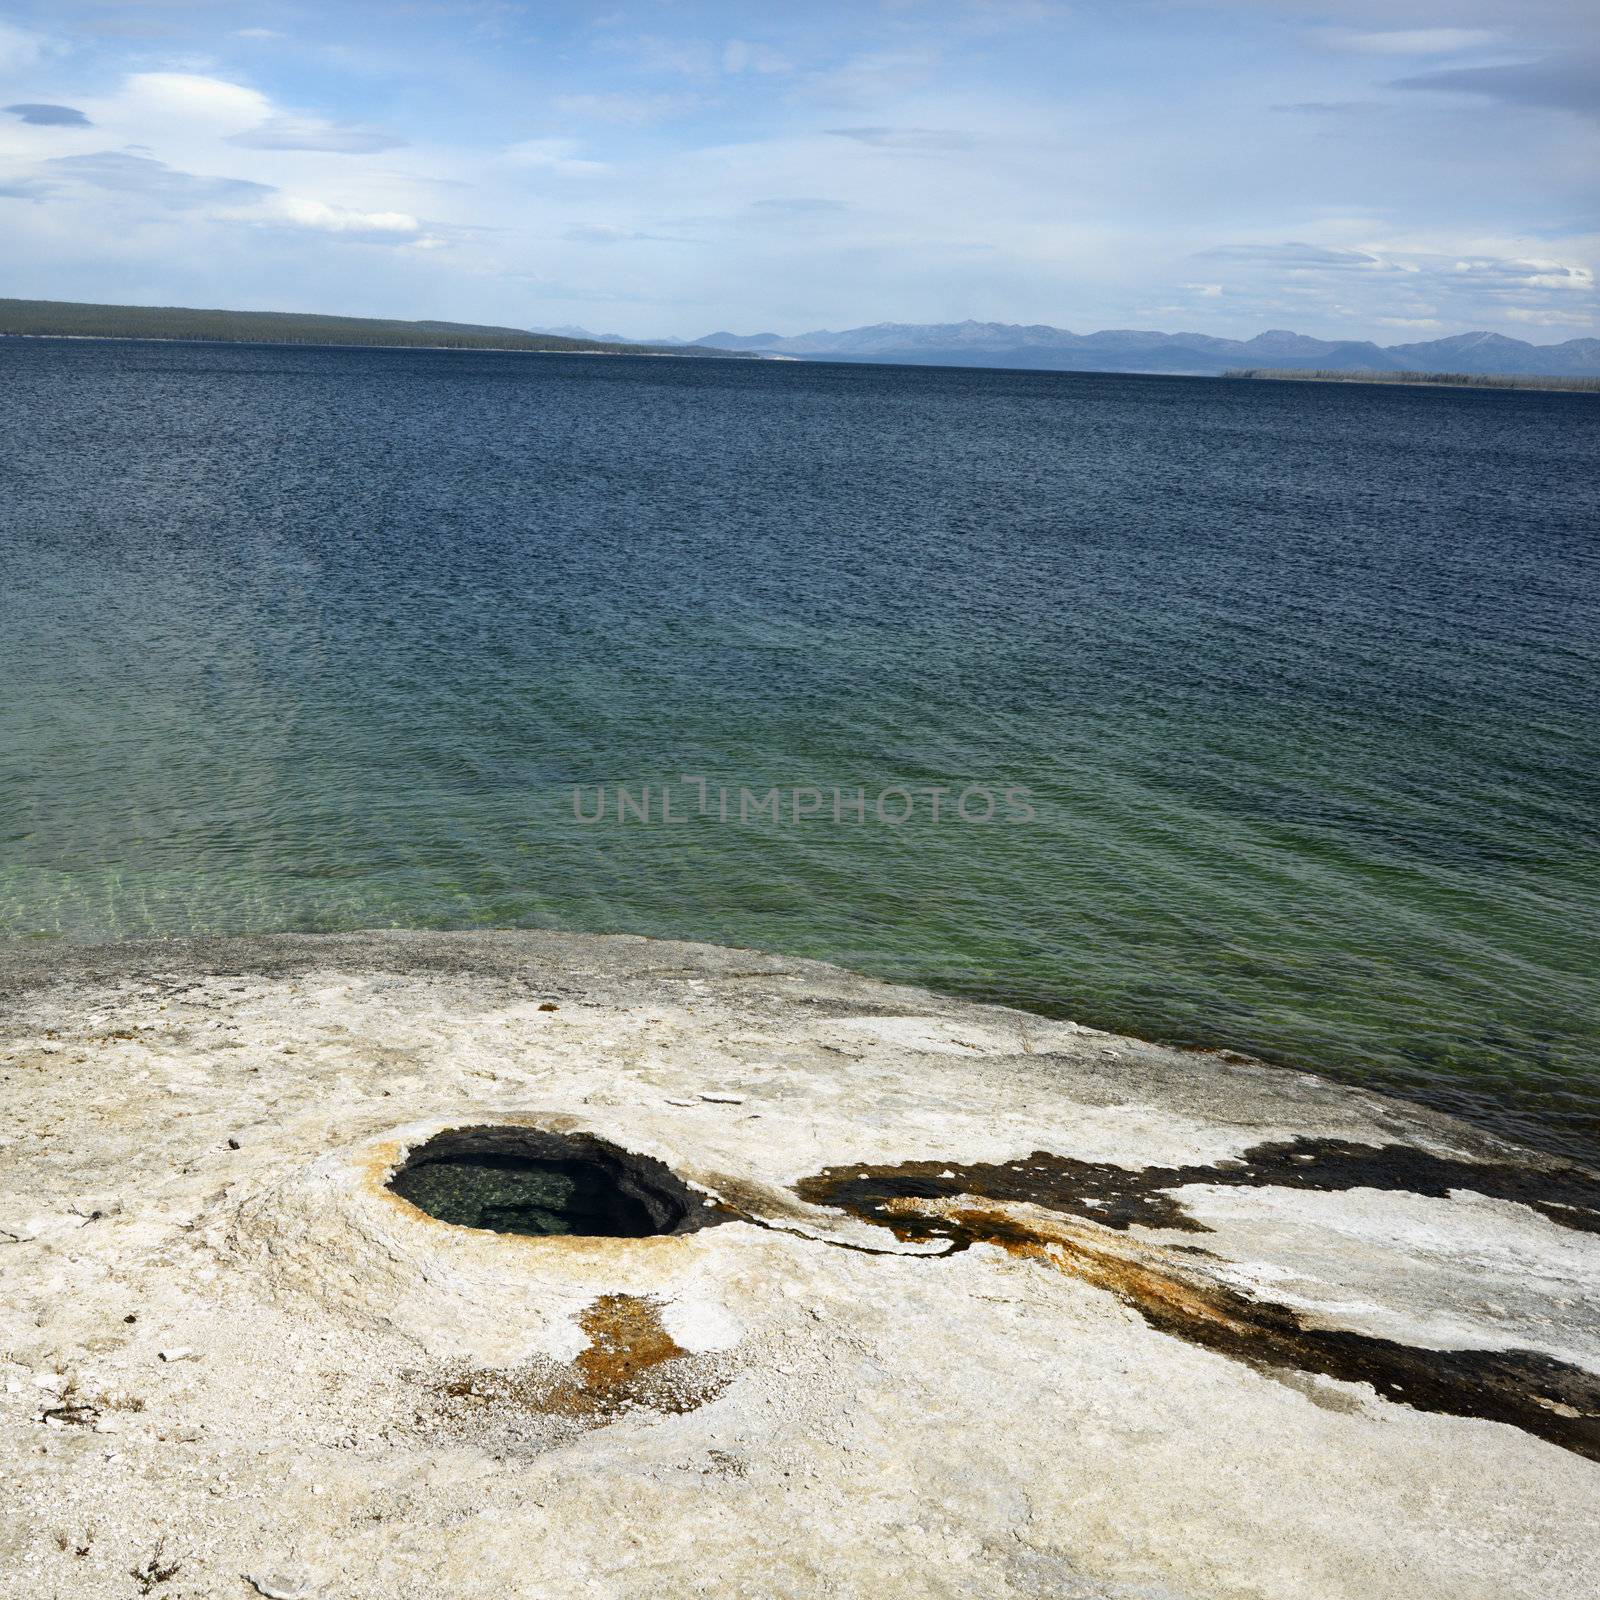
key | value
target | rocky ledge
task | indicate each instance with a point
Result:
(887, 1294)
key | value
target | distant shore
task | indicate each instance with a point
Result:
(1433, 380)
(335, 344)
(64, 319)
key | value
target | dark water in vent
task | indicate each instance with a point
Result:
(512, 1194)
(1303, 680)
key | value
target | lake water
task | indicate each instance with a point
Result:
(1303, 680)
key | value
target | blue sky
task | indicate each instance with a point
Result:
(1389, 169)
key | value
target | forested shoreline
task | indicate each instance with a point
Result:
(62, 319)
(1465, 380)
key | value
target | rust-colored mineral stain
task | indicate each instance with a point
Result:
(631, 1364)
(377, 1167)
(626, 1340)
(1172, 1291)
(1122, 1197)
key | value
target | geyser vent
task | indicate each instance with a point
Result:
(523, 1180)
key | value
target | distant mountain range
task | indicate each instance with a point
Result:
(1001, 344)
(949, 344)
(1038, 346)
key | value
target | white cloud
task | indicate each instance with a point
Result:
(283, 132)
(1410, 41)
(238, 165)
(552, 155)
(1410, 283)
(185, 105)
(1539, 318)
(958, 181)
(257, 33)
(1516, 272)
(628, 110)
(324, 218)
(19, 49)
(698, 58)
(192, 106)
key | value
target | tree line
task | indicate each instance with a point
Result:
(64, 319)
(1469, 380)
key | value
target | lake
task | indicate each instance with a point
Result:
(1301, 681)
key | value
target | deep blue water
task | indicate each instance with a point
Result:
(1302, 680)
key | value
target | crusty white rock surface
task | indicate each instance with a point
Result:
(235, 1363)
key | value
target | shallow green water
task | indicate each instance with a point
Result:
(506, 1194)
(1302, 680)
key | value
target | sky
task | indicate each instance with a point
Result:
(1385, 169)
